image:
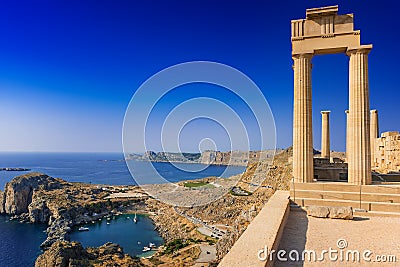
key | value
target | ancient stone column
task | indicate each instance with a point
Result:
(325, 136)
(359, 146)
(374, 132)
(347, 134)
(303, 170)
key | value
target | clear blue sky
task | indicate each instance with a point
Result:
(69, 68)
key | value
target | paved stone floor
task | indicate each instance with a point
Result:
(380, 235)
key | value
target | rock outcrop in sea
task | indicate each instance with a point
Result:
(18, 193)
(72, 254)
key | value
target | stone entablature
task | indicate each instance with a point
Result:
(324, 31)
(387, 152)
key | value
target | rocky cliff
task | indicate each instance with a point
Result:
(273, 175)
(18, 193)
(72, 254)
(1, 202)
(39, 198)
(236, 158)
(231, 211)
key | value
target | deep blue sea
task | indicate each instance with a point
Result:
(19, 243)
(102, 168)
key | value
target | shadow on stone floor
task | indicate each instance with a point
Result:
(294, 238)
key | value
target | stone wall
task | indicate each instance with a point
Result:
(264, 231)
(387, 152)
(330, 170)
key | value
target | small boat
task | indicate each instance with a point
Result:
(152, 245)
(135, 219)
(146, 249)
(83, 229)
(108, 223)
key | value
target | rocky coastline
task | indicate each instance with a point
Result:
(39, 198)
(209, 157)
(68, 254)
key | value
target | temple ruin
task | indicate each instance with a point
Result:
(322, 32)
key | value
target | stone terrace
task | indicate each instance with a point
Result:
(380, 235)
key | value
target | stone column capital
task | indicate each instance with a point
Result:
(362, 49)
(323, 112)
(303, 55)
(346, 111)
(374, 111)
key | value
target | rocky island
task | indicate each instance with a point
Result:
(9, 169)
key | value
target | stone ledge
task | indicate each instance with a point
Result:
(264, 231)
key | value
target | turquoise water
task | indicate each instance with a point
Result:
(121, 230)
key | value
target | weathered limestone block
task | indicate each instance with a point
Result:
(345, 213)
(317, 211)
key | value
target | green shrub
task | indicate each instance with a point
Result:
(175, 245)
